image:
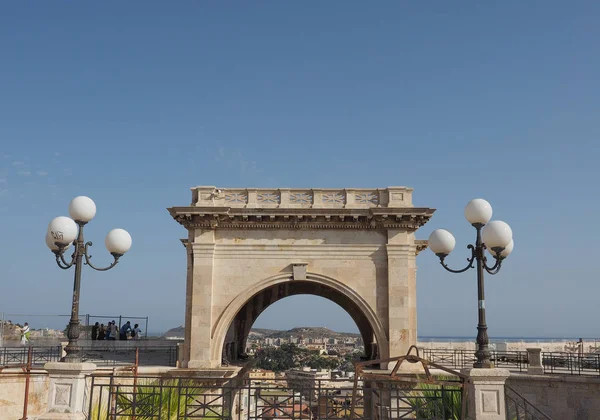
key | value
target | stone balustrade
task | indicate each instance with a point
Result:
(301, 198)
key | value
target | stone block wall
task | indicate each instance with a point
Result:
(12, 394)
(560, 397)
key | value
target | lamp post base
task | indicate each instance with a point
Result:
(67, 391)
(483, 365)
(485, 393)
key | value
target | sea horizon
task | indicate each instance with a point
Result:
(510, 339)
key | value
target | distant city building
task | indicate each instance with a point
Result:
(261, 374)
(307, 380)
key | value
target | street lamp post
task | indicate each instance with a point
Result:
(496, 237)
(64, 231)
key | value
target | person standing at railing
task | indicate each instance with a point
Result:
(112, 331)
(95, 331)
(25, 333)
(124, 330)
(101, 332)
(136, 332)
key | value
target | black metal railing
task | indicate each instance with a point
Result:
(519, 408)
(458, 359)
(137, 397)
(571, 363)
(107, 355)
(517, 361)
(40, 355)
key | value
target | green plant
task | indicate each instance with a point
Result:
(97, 411)
(151, 399)
(432, 401)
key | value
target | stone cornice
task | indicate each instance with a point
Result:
(194, 217)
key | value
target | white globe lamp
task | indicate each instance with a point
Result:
(118, 241)
(82, 209)
(478, 211)
(441, 242)
(508, 249)
(52, 245)
(63, 230)
(496, 234)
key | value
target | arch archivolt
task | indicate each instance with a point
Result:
(228, 316)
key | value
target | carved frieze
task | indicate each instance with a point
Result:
(367, 198)
(304, 199)
(236, 197)
(333, 198)
(268, 198)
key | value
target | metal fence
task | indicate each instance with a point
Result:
(106, 355)
(101, 355)
(14, 356)
(458, 359)
(571, 363)
(519, 408)
(517, 361)
(136, 397)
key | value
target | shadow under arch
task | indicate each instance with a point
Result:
(233, 326)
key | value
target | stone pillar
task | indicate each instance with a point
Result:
(67, 390)
(485, 393)
(402, 311)
(534, 355)
(199, 307)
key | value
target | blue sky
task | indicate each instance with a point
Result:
(133, 103)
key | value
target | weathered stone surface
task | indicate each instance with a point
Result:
(67, 390)
(12, 394)
(534, 356)
(485, 391)
(248, 248)
(560, 396)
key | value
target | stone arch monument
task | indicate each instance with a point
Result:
(249, 248)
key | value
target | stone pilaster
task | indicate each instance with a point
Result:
(402, 291)
(198, 333)
(485, 393)
(67, 390)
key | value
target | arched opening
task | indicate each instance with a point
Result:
(235, 340)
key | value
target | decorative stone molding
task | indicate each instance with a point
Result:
(421, 245)
(228, 219)
(232, 208)
(400, 250)
(302, 197)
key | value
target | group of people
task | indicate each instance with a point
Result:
(112, 331)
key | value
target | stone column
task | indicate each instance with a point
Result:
(534, 355)
(199, 307)
(485, 393)
(67, 390)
